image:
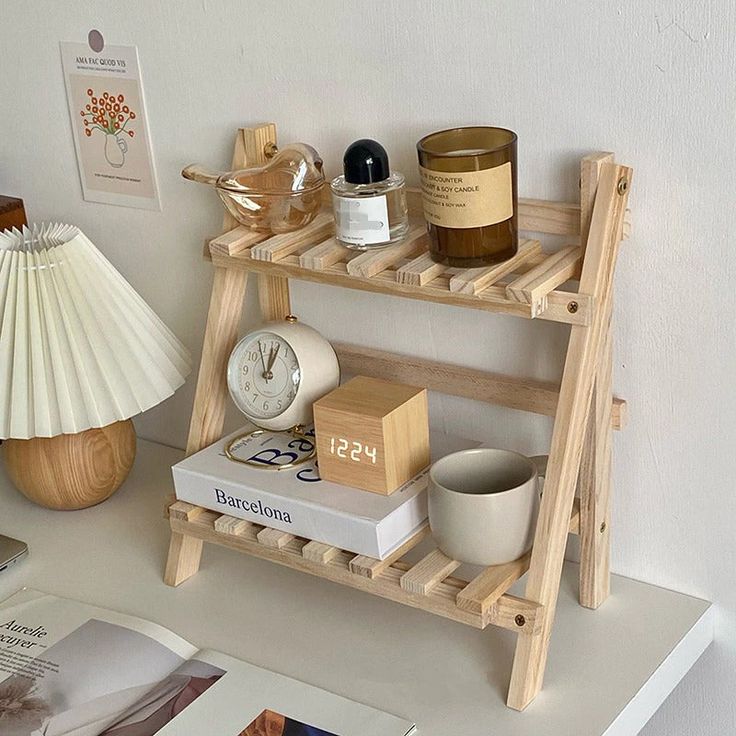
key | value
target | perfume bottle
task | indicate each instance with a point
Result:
(369, 199)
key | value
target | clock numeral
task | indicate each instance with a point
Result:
(252, 355)
(265, 406)
(246, 385)
(339, 446)
(245, 369)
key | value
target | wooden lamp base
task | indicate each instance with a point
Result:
(72, 471)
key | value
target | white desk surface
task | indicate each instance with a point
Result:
(608, 671)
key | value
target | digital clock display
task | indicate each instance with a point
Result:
(352, 450)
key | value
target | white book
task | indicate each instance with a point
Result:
(71, 669)
(297, 500)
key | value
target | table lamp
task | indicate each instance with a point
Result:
(80, 354)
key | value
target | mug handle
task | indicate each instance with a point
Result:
(540, 462)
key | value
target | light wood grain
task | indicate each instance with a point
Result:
(374, 261)
(492, 299)
(440, 600)
(274, 538)
(235, 241)
(278, 246)
(388, 418)
(419, 271)
(568, 433)
(231, 525)
(428, 573)
(210, 398)
(539, 397)
(594, 480)
(184, 511)
(474, 280)
(185, 553)
(533, 286)
(368, 567)
(324, 254)
(226, 304)
(319, 552)
(72, 471)
(594, 483)
(575, 517)
(590, 168)
(273, 297)
(484, 590)
(516, 614)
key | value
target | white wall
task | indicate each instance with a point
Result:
(651, 80)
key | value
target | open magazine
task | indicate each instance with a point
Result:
(70, 669)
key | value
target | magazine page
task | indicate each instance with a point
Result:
(251, 701)
(70, 669)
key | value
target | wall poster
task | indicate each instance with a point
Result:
(110, 125)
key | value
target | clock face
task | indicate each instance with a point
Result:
(264, 375)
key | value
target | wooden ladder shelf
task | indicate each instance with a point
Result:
(578, 482)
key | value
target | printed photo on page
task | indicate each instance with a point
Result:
(70, 669)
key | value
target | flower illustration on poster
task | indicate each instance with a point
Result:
(112, 117)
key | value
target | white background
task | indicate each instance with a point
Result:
(652, 81)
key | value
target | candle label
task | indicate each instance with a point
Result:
(361, 220)
(463, 199)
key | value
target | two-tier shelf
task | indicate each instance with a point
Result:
(530, 285)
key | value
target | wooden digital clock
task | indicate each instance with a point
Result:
(372, 434)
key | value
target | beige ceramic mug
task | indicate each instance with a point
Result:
(483, 504)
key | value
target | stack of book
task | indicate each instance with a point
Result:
(298, 501)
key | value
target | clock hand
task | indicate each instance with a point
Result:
(272, 358)
(263, 360)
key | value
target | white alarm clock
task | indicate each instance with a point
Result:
(277, 372)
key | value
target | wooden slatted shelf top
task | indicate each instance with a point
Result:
(426, 584)
(527, 285)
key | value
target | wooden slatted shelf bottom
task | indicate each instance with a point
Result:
(426, 584)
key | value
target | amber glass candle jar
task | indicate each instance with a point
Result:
(468, 178)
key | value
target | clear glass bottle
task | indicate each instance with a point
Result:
(369, 200)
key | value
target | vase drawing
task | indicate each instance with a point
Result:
(115, 150)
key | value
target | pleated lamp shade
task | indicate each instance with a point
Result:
(79, 348)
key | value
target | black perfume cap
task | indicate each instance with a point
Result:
(365, 162)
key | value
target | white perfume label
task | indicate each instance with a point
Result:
(361, 221)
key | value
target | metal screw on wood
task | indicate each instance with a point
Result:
(603, 527)
(623, 185)
(572, 307)
(519, 620)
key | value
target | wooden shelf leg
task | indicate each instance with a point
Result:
(273, 296)
(573, 408)
(183, 560)
(594, 483)
(594, 480)
(210, 399)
